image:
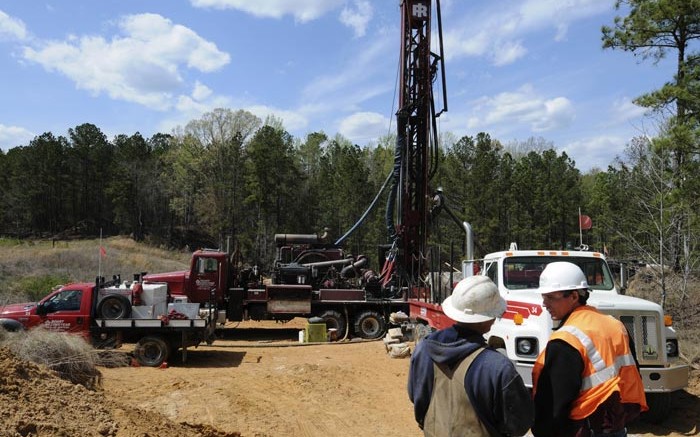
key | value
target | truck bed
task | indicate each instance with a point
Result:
(151, 323)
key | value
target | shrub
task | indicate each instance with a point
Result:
(69, 355)
(36, 287)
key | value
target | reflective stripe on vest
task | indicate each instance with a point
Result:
(602, 373)
(608, 362)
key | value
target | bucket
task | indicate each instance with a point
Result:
(315, 333)
(301, 336)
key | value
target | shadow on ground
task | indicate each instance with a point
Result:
(684, 418)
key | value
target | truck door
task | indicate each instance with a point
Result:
(65, 312)
(206, 277)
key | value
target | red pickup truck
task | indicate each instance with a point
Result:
(105, 314)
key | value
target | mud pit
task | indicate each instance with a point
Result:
(255, 381)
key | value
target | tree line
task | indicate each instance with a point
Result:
(231, 175)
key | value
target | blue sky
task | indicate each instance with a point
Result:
(515, 69)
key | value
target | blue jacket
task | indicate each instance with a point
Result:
(494, 387)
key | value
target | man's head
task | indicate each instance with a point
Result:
(475, 300)
(564, 288)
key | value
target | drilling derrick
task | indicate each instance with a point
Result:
(415, 158)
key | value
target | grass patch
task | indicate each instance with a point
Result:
(684, 308)
(9, 242)
(30, 268)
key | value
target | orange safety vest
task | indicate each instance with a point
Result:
(608, 364)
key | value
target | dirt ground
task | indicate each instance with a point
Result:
(253, 381)
(260, 382)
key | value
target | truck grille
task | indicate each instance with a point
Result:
(645, 332)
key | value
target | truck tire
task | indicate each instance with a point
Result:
(370, 325)
(335, 320)
(152, 351)
(11, 325)
(114, 306)
(109, 342)
(660, 405)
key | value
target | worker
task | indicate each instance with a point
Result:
(457, 384)
(586, 381)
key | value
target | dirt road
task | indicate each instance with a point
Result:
(258, 382)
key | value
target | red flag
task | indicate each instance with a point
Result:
(585, 222)
(103, 252)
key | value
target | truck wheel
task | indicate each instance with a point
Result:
(334, 320)
(114, 306)
(370, 325)
(111, 341)
(151, 351)
(11, 325)
(659, 407)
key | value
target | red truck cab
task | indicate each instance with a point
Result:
(208, 270)
(67, 309)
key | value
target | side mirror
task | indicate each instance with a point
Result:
(41, 309)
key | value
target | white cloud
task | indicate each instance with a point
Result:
(200, 91)
(352, 83)
(623, 110)
(143, 66)
(14, 136)
(523, 108)
(598, 151)
(302, 10)
(201, 100)
(11, 28)
(189, 107)
(357, 18)
(361, 127)
(498, 32)
(292, 120)
(508, 52)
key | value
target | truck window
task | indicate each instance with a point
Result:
(492, 271)
(207, 265)
(597, 274)
(67, 300)
(524, 272)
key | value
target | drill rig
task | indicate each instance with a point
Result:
(312, 277)
(413, 205)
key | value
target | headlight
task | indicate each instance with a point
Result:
(526, 346)
(672, 347)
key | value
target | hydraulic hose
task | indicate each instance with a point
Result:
(364, 216)
(347, 324)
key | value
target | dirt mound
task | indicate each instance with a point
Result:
(37, 402)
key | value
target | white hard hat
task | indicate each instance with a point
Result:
(475, 299)
(561, 276)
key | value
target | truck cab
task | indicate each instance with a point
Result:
(523, 331)
(208, 271)
(67, 309)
